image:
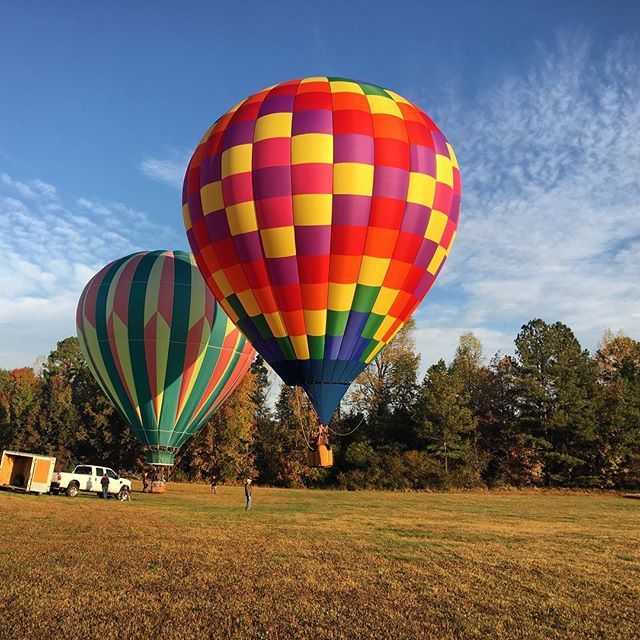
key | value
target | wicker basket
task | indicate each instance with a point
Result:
(157, 486)
(320, 456)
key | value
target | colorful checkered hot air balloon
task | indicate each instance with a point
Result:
(320, 212)
(160, 346)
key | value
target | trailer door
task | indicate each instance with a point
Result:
(41, 475)
(5, 469)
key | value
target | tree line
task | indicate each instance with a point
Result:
(551, 415)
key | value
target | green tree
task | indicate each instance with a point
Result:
(557, 389)
(262, 387)
(446, 424)
(513, 457)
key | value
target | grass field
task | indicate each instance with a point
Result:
(319, 564)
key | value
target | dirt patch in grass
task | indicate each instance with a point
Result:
(320, 565)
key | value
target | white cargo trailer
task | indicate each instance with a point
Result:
(26, 471)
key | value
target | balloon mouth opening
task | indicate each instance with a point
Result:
(161, 457)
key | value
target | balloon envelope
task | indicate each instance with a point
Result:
(320, 211)
(160, 346)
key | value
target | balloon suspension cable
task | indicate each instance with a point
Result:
(347, 433)
(179, 455)
(296, 391)
(298, 409)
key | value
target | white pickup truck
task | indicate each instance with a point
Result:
(87, 477)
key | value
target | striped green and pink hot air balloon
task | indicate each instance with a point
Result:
(160, 346)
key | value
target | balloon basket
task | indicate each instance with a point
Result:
(320, 457)
(157, 486)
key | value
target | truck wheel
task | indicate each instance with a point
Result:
(72, 489)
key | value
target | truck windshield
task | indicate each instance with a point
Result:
(112, 474)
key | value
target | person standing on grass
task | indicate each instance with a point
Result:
(105, 485)
(214, 484)
(145, 481)
(247, 493)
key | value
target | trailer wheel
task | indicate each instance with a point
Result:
(72, 489)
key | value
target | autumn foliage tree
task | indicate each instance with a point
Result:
(20, 408)
(618, 430)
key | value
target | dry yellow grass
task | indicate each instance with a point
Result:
(321, 565)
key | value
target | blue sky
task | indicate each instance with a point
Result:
(101, 105)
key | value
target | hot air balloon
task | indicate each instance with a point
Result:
(160, 347)
(320, 212)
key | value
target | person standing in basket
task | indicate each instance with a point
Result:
(247, 493)
(105, 485)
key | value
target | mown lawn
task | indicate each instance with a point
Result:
(320, 564)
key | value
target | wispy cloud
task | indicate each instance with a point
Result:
(30, 190)
(51, 246)
(551, 204)
(168, 171)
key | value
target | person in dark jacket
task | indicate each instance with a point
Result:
(145, 481)
(214, 484)
(247, 493)
(105, 485)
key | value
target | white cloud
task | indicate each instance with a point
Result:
(50, 248)
(551, 196)
(168, 171)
